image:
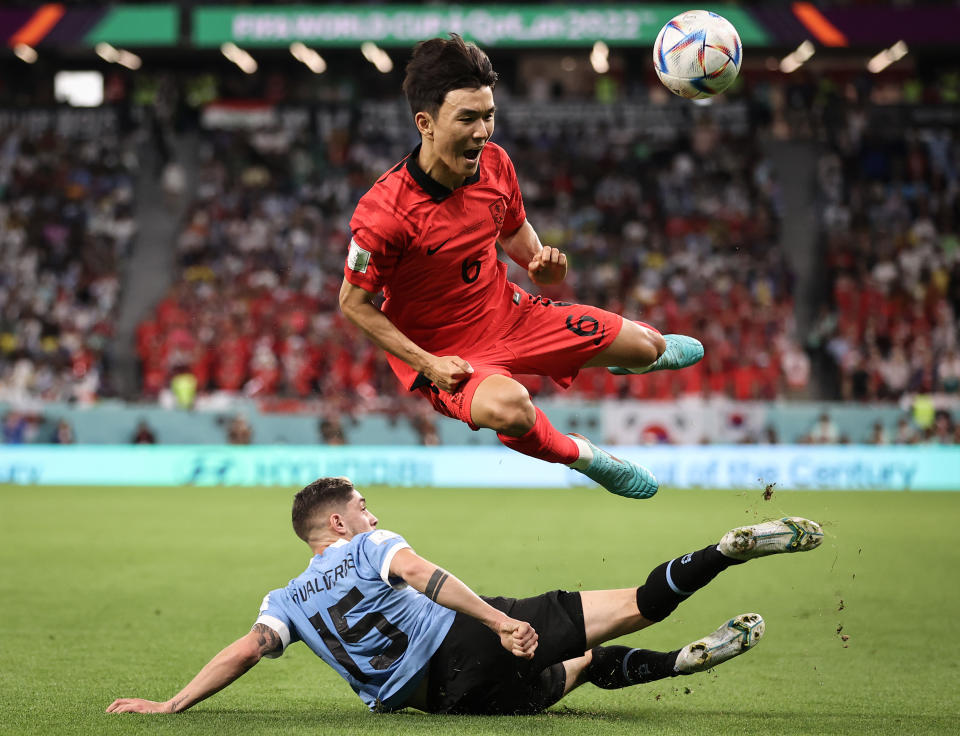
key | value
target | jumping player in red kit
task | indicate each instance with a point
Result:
(453, 326)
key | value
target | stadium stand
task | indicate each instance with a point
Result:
(254, 308)
(261, 257)
(676, 221)
(66, 223)
(891, 203)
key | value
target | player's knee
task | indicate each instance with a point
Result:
(513, 412)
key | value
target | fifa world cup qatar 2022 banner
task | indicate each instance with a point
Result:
(848, 467)
(525, 25)
(763, 25)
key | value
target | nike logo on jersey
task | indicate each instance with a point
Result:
(431, 251)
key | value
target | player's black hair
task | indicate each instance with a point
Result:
(321, 494)
(440, 65)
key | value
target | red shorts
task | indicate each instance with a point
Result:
(537, 337)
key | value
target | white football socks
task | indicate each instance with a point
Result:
(586, 455)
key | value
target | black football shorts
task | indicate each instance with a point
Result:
(471, 673)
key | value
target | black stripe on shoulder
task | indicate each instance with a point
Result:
(395, 169)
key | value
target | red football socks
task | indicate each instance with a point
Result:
(543, 441)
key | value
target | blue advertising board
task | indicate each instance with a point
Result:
(849, 467)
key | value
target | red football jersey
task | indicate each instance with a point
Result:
(432, 251)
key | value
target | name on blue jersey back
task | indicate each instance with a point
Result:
(374, 630)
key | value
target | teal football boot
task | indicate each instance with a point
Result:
(621, 477)
(681, 352)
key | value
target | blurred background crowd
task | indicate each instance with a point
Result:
(686, 224)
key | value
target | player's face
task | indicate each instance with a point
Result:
(356, 517)
(463, 125)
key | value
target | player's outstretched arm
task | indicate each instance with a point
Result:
(219, 672)
(517, 637)
(545, 265)
(446, 371)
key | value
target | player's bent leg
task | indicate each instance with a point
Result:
(629, 353)
(614, 667)
(637, 347)
(672, 582)
(502, 404)
(611, 668)
(608, 614)
(681, 351)
(575, 672)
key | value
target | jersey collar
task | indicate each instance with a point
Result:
(339, 543)
(431, 186)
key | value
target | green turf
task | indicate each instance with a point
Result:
(128, 592)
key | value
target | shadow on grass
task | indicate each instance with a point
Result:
(562, 720)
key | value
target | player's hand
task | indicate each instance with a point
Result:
(518, 638)
(548, 267)
(138, 705)
(448, 371)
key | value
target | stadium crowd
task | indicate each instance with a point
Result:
(66, 221)
(891, 208)
(680, 231)
(682, 235)
(254, 308)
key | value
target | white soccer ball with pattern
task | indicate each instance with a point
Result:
(697, 54)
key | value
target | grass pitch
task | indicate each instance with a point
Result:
(114, 592)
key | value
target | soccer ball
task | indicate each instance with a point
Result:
(697, 54)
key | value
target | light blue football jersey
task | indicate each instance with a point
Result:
(373, 629)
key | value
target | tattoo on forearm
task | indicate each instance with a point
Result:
(436, 582)
(267, 639)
